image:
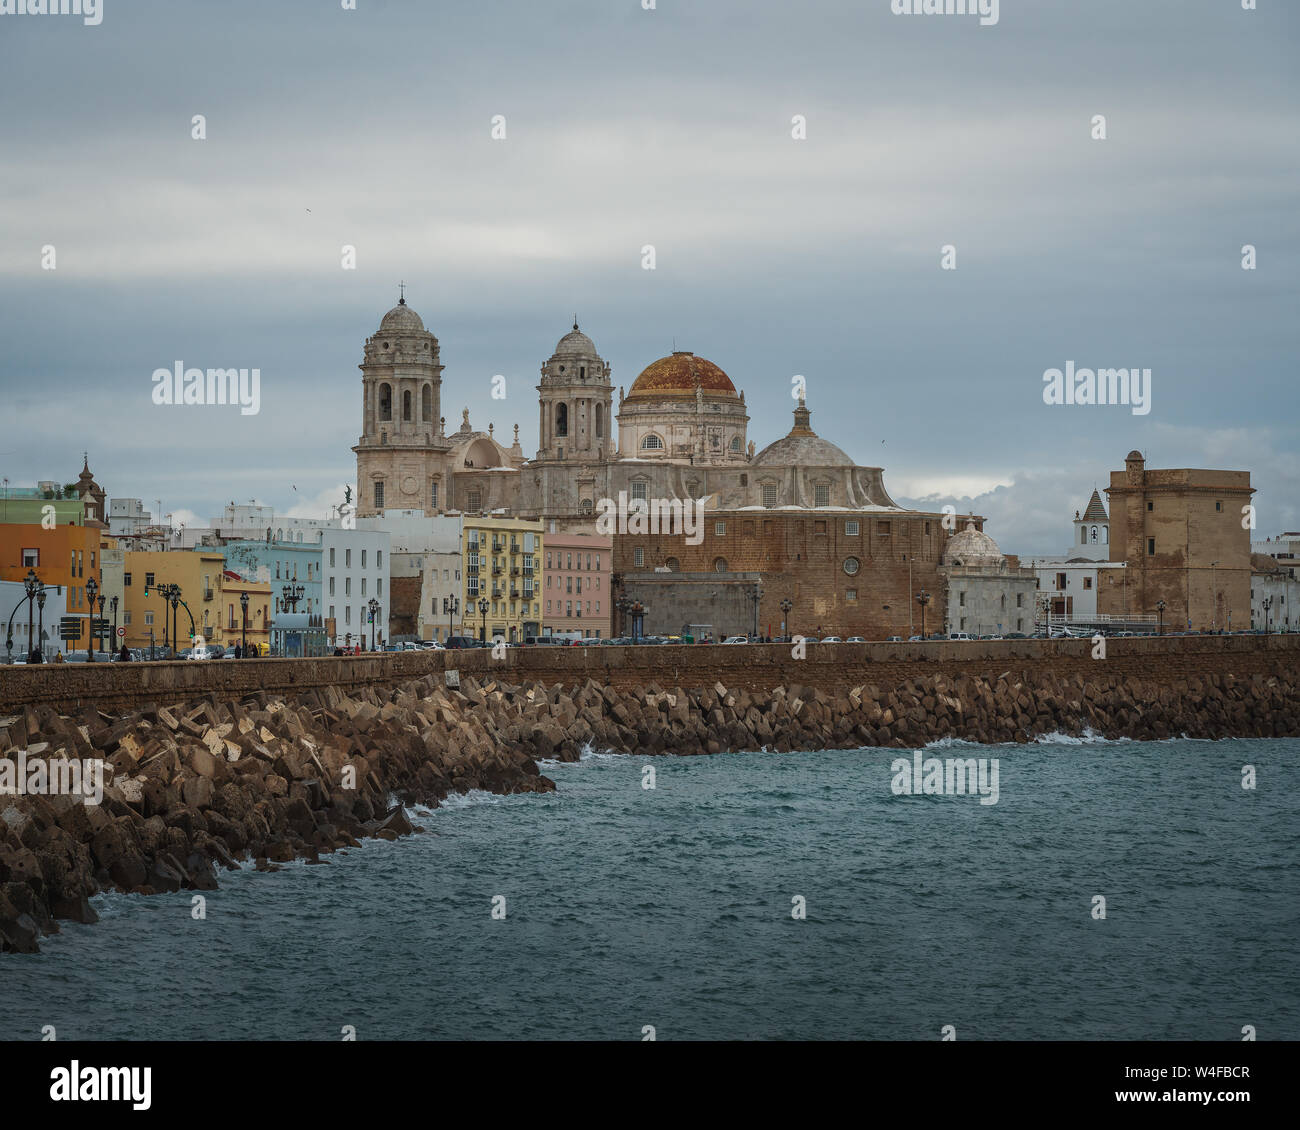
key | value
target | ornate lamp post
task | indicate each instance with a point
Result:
(638, 611)
(451, 606)
(483, 608)
(113, 605)
(1266, 604)
(923, 598)
(786, 605)
(624, 605)
(243, 627)
(91, 588)
(103, 600)
(40, 618)
(374, 611)
(756, 598)
(174, 596)
(1160, 614)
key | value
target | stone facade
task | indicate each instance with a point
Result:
(682, 433)
(845, 572)
(1183, 538)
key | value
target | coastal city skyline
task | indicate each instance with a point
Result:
(821, 256)
(609, 521)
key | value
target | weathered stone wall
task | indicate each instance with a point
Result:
(754, 666)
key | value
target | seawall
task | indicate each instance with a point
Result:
(829, 667)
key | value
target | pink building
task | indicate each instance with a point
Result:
(575, 596)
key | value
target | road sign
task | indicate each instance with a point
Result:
(70, 621)
(121, 632)
(70, 631)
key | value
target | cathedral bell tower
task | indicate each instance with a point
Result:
(574, 397)
(401, 430)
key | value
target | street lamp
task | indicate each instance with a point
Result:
(91, 588)
(483, 607)
(923, 598)
(1160, 614)
(374, 611)
(1266, 604)
(174, 595)
(638, 611)
(624, 605)
(102, 601)
(113, 605)
(1214, 596)
(243, 628)
(758, 596)
(451, 606)
(786, 605)
(40, 619)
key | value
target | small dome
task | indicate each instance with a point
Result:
(1134, 456)
(678, 376)
(575, 344)
(803, 447)
(401, 319)
(972, 547)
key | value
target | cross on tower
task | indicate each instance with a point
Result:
(401, 286)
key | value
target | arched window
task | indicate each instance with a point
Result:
(652, 443)
(385, 402)
(673, 564)
(426, 404)
(1083, 535)
(719, 564)
(735, 443)
(585, 506)
(561, 419)
(1094, 535)
(406, 405)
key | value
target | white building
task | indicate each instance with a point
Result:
(14, 610)
(128, 516)
(1275, 577)
(354, 571)
(1068, 584)
(987, 594)
(424, 568)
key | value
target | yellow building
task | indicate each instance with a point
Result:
(255, 631)
(198, 572)
(502, 566)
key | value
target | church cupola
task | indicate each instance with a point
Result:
(574, 402)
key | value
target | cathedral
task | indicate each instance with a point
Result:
(679, 431)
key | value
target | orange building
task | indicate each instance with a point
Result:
(67, 555)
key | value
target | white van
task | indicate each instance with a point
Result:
(958, 636)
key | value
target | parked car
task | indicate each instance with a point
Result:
(958, 636)
(590, 641)
(198, 653)
(831, 639)
(454, 642)
(894, 639)
(736, 639)
(855, 639)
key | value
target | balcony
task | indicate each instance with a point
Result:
(207, 594)
(514, 570)
(514, 594)
(496, 570)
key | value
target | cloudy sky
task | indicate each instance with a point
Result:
(670, 127)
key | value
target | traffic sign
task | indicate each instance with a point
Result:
(121, 632)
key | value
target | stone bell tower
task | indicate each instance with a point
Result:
(401, 430)
(575, 397)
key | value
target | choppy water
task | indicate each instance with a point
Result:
(627, 907)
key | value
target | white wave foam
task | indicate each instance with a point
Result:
(1088, 737)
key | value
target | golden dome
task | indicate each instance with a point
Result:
(679, 376)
